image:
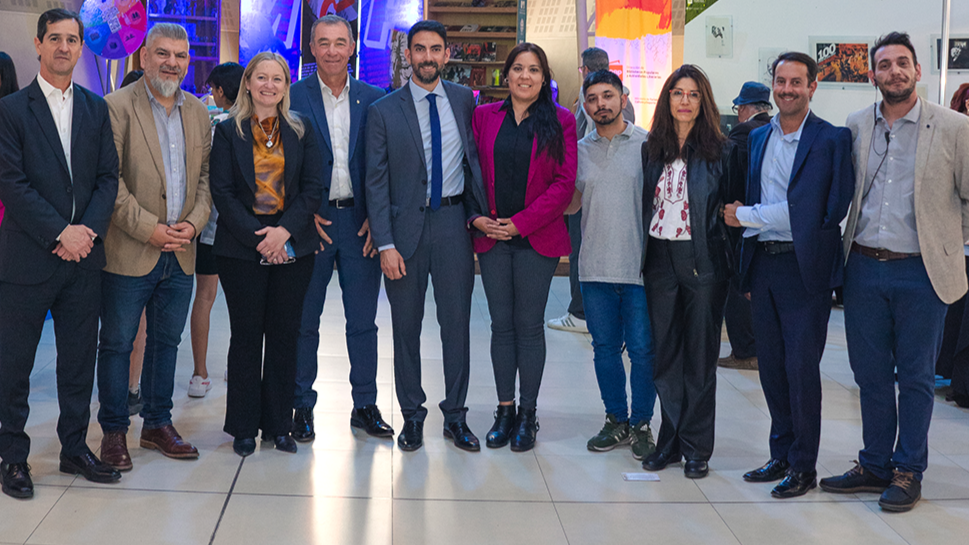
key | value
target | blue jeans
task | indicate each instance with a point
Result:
(617, 314)
(165, 294)
(893, 323)
(360, 282)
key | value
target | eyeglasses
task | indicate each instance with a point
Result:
(678, 94)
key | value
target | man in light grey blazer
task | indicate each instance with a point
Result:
(423, 187)
(904, 240)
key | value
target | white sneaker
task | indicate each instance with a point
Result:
(198, 386)
(568, 323)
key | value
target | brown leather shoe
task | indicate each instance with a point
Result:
(733, 362)
(114, 451)
(167, 441)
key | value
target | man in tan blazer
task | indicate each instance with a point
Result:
(904, 240)
(162, 136)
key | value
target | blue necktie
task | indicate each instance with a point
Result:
(437, 170)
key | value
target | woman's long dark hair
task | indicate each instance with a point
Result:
(663, 143)
(8, 76)
(545, 125)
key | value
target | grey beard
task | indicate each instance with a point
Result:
(167, 88)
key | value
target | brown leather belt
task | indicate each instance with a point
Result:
(880, 254)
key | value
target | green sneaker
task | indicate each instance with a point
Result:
(642, 440)
(610, 436)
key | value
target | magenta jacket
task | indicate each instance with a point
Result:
(550, 185)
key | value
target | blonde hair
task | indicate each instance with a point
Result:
(243, 108)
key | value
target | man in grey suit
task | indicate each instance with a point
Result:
(423, 188)
(906, 229)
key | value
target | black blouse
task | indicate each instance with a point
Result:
(513, 157)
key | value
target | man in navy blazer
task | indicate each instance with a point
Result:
(423, 187)
(59, 187)
(336, 106)
(799, 186)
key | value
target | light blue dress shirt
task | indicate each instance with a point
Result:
(771, 218)
(452, 149)
(171, 137)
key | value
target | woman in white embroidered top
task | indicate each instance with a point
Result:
(687, 264)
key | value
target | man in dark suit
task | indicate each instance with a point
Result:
(336, 106)
(799, 188)
(59, 188)
(423, 187)
(751, 106)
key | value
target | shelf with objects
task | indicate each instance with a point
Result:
(201, 20)
(480, 35)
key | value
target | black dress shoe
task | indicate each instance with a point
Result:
(462, 436)
(795, 484)
(658, 460)
(369, 420)
(526, 427)
(16, 480)
(412, 436)
(773, 470)
(303, 425)
(285, 443)
(500, 433)
(696, 469)
(244, 446)
(88, 466)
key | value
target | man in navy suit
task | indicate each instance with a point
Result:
(59, 188)
(336, 106)
(799, 187)
(423, 187)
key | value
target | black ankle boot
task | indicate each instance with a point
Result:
(500, 433)
(526, 426)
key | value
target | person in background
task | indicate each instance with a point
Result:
(8, 85)
(752, 107)
(266, 182)
(687, 264)
(54, 134)
(163, 140)
(609, 186)
(224, 81)
(953, 361)
(903, 243)
(593, 60)
(799, 187)
(527, 149)
(336, 106)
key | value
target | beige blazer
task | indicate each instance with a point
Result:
(941, 192)
(141, 182)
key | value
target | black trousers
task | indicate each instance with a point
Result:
(73, 296)
(576, 307)
(516, 281)
(444, 253)
(265, 303)
(686, 314)
(792, 326)
(953, 359)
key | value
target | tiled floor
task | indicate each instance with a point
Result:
(348, 488)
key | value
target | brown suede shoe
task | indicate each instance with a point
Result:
(114, 451)
(168, 442)
(733, 362)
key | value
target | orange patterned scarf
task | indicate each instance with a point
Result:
(270, 166)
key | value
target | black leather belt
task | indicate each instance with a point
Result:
(775, 247)
(342, 203)
(880, 254)
(447, 201)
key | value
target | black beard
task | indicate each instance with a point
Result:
(893, 97)
(606, 122)
(427, 79)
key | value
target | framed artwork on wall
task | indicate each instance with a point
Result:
(958, 53)
(842, 61)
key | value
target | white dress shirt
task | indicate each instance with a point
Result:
(338, 122)
(61, 104)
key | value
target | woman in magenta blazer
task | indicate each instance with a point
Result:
(527, 148)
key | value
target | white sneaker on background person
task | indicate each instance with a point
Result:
(198, 386)
(569, 322)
